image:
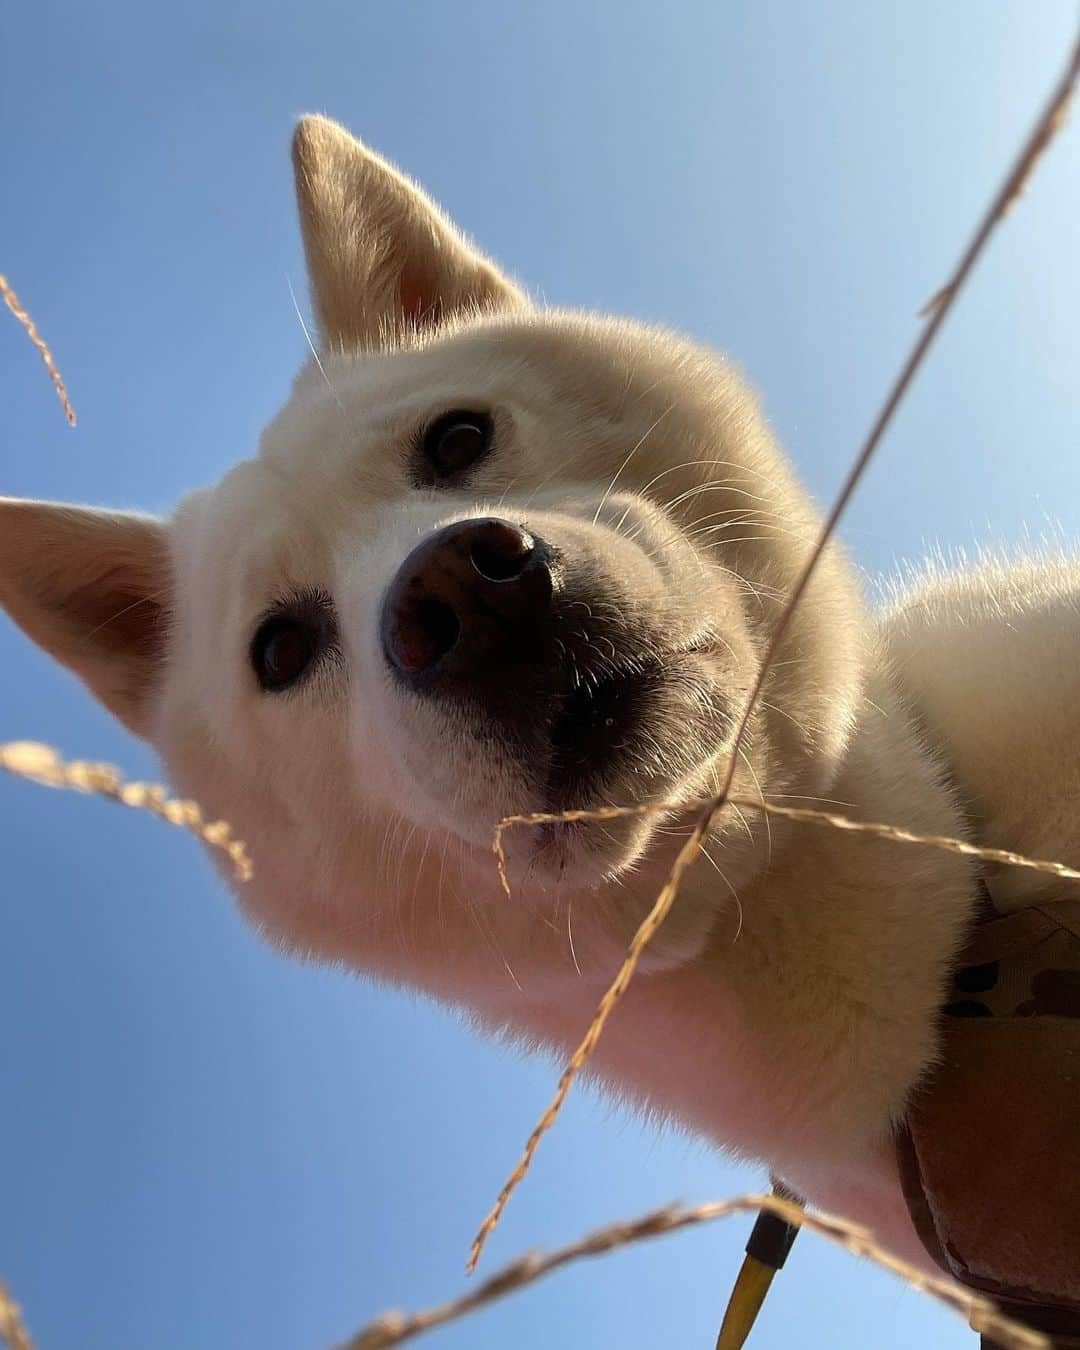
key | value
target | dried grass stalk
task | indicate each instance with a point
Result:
(41, 764)
(16, 306)
(982, 1315)
(807, 815)
(13, 1332)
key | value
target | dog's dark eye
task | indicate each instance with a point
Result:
(455, 441)
(282, 651)
(288, 643)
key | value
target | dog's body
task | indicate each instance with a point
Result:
(491, 559)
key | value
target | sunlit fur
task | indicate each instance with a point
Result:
(788, 1008)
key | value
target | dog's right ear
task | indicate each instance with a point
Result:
(382, 257)
(92, 588)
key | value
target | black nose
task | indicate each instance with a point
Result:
(468, 604)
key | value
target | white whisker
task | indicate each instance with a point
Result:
(629, 457)
(311, 345)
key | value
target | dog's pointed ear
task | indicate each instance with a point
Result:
(381, 256)
(92, 589)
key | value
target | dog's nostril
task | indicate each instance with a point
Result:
(432, 630)
(501, 552)
(471, 600)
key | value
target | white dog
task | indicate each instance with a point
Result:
(490, 559)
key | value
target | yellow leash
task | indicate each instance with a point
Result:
(766, 1251)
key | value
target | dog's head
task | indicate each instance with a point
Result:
(489, 559)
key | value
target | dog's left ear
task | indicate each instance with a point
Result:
(381, 255)
(91, 588)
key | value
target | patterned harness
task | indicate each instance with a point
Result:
(990, 1150)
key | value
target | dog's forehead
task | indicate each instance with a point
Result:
(335, 425)
(333, 455)
(554, 363)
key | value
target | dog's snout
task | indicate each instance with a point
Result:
(471, 601)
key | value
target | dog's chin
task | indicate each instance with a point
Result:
(548, 866)
(504, 847)
(582, 841)
(574, 855)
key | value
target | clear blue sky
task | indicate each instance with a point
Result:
(202, 1144)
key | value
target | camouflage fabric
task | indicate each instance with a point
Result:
(990, 1152)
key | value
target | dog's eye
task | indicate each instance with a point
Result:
(282, 651)
(455, 441)
(288, 643)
